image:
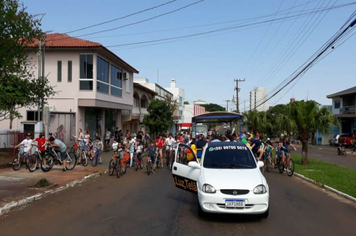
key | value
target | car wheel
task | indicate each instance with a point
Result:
(265, 215)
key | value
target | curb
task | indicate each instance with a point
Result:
(26, 200)
(326, 187)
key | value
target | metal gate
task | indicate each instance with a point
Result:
(62, 125)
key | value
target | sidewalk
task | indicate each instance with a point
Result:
(17, 185)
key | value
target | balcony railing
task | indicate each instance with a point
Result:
(348, 110)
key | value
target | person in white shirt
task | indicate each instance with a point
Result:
(169, 145)
(27, 145)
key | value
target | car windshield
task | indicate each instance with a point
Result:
(229, 157)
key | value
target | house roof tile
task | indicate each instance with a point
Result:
(64, 40)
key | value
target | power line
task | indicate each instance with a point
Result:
(259, 43)
(145, 20)
(307, 65)
(133, 23)
(229, 28)
(122, 17)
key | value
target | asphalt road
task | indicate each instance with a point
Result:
(137, 204)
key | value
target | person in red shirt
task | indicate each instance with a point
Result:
(41, 140)
(159, 145)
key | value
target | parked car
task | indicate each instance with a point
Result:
(335, 139)
(227, 179)
(346, 139)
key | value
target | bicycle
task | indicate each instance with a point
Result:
(341, 150)
(158, 160)
(19, 160)
(35, 158)
(115, 165)
(51, 157)
(268, 161)
(289, 165)
(149, 165)
(169, 156)
(138, 161)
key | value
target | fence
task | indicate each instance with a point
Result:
(9, 139)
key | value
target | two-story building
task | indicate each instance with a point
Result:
(161, 94)
(142, 97)
(93, 86)
(344, 107)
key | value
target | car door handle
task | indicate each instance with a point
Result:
(175, 168)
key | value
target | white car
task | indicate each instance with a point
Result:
(227, 179)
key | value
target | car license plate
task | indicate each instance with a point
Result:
(234, 203)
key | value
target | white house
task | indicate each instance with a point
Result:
(93, 86)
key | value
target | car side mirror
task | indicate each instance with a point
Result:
(260, 164)
(194, 165)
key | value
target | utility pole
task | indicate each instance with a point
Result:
(237, 93)
(227, 104)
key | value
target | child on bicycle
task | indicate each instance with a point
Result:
(115, 146)
(26, 145)
(139, 150)
(151, 155)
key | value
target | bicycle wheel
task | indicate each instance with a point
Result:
(94, 161)
(118, 169)
(16, 163)
(280, 167)
(290, 168)
(112, 165)
(47, 163)
(31, 162)
(72, 149)
(71, 161)
(84, 160)
(148, 168)
(136, 165)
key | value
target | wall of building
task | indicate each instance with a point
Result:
(257, 95)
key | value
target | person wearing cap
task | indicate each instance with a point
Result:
(27, 142)
(58, 144)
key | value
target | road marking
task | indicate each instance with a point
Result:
(9, 178)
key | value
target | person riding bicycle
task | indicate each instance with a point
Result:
(267, 151)
(285, 150)
(159, 145)
(151, 155)
(139, 150)
(59, 145)
(169, 145)
(115, 146)
(26, 145)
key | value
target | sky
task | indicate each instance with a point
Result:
(264, 54)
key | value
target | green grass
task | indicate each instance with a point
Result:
(335, 176)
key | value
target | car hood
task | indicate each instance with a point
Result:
(232, 178)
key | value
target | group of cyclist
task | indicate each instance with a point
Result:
(28, 143)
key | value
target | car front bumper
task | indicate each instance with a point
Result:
(215, 203)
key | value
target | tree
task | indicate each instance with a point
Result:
(160, 116)
(252, 120)
(213, 107)
(186, 103)
(18, 85)
(307, 118)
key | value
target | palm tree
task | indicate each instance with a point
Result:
(252, 120)
(307, 118)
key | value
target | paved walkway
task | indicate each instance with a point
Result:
(16, 185)
(329, 154)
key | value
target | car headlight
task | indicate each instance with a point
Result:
(207, 188)
(260, 189)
